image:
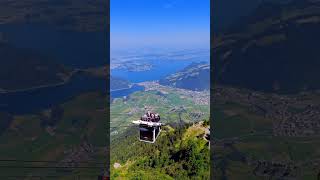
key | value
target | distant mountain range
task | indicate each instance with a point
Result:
(117, 83)
(274, 50)
(196, 76)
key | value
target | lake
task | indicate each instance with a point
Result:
(161, 68)
(34, 100)
(125, 92)
(76, 50)
(73, 49)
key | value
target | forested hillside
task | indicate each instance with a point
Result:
(194, 77)
(180, 152)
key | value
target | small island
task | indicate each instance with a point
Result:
(132, 66)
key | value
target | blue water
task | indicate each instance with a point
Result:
(126, 92)
(73, 49)
(35, 100)
(77, 50)
(161, 69)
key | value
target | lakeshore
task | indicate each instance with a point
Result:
(65, 81)
(120, 89)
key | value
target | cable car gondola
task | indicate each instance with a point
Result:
(149, 127)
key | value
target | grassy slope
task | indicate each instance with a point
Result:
(161, 104)
(179, 153)
(137, 159)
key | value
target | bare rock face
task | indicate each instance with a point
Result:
(116, 165)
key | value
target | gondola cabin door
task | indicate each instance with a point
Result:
(149, 133)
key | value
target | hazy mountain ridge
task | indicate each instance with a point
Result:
(196, 76)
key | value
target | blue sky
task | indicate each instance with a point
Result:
(160, 23)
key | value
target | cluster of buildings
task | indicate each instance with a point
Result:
(291, 115)
(198, 97)
(76, 155)
(280, 170)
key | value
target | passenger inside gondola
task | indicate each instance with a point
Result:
(150, 117)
